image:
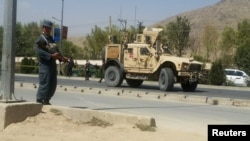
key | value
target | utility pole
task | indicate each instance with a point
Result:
(110, 26)
(8, 52)
(61, 36)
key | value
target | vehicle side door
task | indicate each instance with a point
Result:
(144, 59)
(130, 59)
(236, 77)
(240, 79)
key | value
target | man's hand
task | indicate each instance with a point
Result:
(55, 55)
(59, 57)
(64, 59)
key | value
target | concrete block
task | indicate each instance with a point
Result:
(85, 115)
(196, 98)
(219, 101)
(17, 112)
(241, 102)
(178, 97)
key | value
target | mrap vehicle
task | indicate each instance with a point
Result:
(147, 59)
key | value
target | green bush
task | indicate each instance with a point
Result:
(28, 66)
(217, 75)
(199, 58)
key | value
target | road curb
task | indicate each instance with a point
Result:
(220, 101)
(196, 99)
(241, 103)
(18, 112)
(149, 95)
(85, 115)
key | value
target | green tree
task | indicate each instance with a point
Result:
(243, 34)
(71, 50)
(28, 33)
(1, 41)
(28, 66)
(116, 34)
(177, 33)
(242, 55)
(26, 36)
(228, 46)
(217, 75)
(210, 39)
(242, 58)
(94, 43)
(98, 38)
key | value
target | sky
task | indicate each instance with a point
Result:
(80, 16)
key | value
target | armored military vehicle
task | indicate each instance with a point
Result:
(147, 59)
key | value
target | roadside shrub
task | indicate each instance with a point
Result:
(28, 66)
(217, 75)
(199, 58)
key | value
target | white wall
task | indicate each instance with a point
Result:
(79, 62)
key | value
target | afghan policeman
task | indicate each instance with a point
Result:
(47, 53)
(87, 70)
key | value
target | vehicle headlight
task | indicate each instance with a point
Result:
(184, 66)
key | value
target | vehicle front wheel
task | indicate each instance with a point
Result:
(166, 79)
(113, 76)
(189, 87)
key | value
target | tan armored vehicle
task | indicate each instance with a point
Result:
(147, 59)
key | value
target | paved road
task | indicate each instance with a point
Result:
(179, 115)
(202, 90)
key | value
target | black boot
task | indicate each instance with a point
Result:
(46, 102)
(39, 101)
(43, 101)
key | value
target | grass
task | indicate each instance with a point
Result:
(98, 122)
(215, 102)
(101, 123)
(56, 112)
(143, 127)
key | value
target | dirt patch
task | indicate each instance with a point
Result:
(51, 125)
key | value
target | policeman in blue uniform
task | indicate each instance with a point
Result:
(47, 53)
(87, 70)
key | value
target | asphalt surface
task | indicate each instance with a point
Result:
(147, 86)
(191, 116)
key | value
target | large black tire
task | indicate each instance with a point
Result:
(134, 82)
(189, 87)
(166, 79)
(113, 76)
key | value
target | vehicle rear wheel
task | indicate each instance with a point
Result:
(166, 79)
(134, 82)
(113, 76)
(189, 87)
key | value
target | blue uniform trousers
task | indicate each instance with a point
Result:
(47, 81)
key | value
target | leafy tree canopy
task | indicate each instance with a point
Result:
(177, 33)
